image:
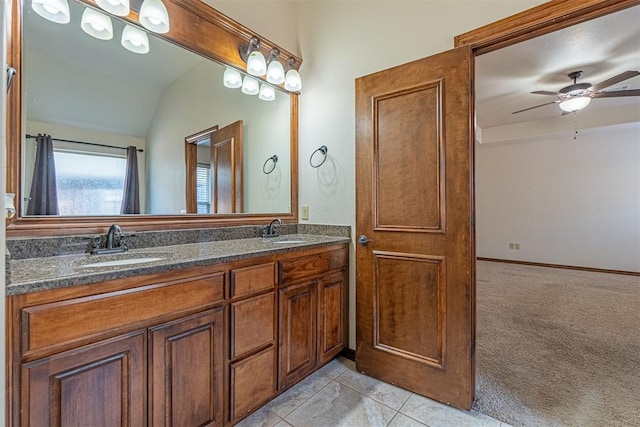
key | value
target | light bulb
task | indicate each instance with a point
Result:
(250, 86)
(292, 81)
(135, 40)
(115, 7)
(576, 103)
(154, 16)
(52, 10)
(267, 93)
(256, 64)
(275, 72)
(96, 24)
(232, 78)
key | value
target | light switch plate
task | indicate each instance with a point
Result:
(305, 212)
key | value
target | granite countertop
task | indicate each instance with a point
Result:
(37, 274)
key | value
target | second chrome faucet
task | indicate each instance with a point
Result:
(271, 230)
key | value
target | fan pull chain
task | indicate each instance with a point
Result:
(575, 126)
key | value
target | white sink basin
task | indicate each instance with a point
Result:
(122, 262)
(288, 241)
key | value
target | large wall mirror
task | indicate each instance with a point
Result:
(95, 98)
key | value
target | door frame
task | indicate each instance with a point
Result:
(537, 21)
(531, 23)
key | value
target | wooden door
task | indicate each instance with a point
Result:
(415, 280)
(186, 371)
(298, 325)
(226, 167)
(332, 316)
(102, 384)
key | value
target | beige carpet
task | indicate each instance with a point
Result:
(557, 347)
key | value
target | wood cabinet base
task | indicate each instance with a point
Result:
(204, 346)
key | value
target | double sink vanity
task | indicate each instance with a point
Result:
(183, 334)
(202, 320)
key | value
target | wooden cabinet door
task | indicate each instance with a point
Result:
(102, 384)
(252, 382)
(298, 325)
(252, 324)
(185, 371)
(332, 316)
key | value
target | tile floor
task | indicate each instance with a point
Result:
(337, 395)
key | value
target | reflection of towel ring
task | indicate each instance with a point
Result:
(323, 150)
(274, 159)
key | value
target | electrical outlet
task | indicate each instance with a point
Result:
(516, 246)
(305, 212)
(511, 245)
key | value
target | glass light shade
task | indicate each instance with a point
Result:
(267, 93)
(114, 7)
(575, 104)
(135, 40)
(96, 24)
(154, 16)
(256, 64)
(250, 86)
(293, 82)
(232, 78)
(275, 72)
(52, 10)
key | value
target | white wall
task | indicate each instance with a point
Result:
(79, 134)
(198, 101)
(275, 20)
(565, 201)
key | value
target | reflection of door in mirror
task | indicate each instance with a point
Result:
(214, 170)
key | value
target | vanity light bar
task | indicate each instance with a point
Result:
(153, 16)
(271, 67)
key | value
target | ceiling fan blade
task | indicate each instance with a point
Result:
(615, 79)
(537, 106)
(545, 92)
(617, 93)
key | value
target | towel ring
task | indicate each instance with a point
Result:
(323, 150)
(274, 159)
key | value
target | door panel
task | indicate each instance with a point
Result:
(415, 283)
(408, 192)
(409, 296)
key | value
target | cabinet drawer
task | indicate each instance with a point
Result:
(248, 280)
(253, 382)
(64, 322)
(252, 324)
(312, 265)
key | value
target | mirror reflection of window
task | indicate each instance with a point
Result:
(203, 188)
(89, 184)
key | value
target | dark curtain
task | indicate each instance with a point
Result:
(44, 192)
(131, 194)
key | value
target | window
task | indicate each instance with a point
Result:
(203, 188)
(89, 184)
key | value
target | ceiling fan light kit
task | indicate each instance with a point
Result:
(577, 96)
(574, 104)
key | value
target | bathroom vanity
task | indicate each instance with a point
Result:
(203, 334)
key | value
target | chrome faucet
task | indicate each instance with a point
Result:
(113, 235)
(113, 242)
(272, 229)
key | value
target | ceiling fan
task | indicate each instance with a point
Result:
(577, 96)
